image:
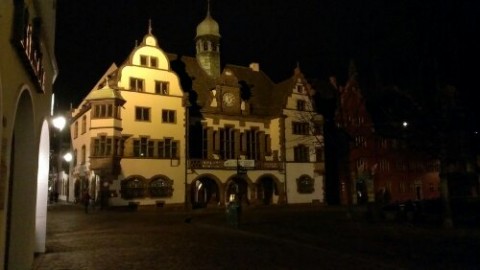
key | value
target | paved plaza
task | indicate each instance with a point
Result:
(308, 237)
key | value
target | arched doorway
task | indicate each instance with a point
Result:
(21, 208)
(204, 192)
(266, 188)
(237, 186)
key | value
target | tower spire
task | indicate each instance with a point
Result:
(149, 26)
(208, 8)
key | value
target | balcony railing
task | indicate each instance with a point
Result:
(219, 164)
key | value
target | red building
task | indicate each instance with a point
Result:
(375, 167)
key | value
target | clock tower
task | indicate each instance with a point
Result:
(207, 45)
(229, 92)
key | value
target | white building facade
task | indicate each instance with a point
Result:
(181, 131)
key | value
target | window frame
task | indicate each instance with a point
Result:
(142, 114)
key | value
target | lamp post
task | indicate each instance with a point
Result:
(59, 122)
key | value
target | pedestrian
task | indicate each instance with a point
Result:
(86, 200)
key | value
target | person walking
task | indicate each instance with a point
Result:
(86, 200)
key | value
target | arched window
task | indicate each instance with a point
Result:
(161, 188)
(305, 184)
(132, 188)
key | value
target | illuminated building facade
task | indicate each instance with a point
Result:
(167, 130)
(27, 71)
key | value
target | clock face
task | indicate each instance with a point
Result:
(228, 99)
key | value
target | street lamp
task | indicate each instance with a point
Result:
(68, 157)
(59, 122)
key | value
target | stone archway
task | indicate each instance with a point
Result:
(265, 190)
(238, 186)
(204, 192)
(22, 181)
(268, 190)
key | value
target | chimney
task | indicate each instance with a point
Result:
(255, 66)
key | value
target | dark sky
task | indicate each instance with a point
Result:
(393, 42)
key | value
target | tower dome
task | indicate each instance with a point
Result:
(208, 27)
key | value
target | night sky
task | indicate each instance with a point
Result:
(397, 42)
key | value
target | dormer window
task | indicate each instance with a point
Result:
(153, 61)
(148, 61)
(300, 88)
(143, 60)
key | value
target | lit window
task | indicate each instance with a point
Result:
(142, 114)
(136, 84)
(161, 87)
(168, 116)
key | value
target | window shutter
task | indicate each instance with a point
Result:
(268, 145)
(128, 150)
(261, 145)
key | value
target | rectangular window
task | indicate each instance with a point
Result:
(320, 154)
(84, 154)
(153, 61)
(205, 143)
(168, 148)
(168, 116)
(300, 128)
(252, 144)
(299, 88)
(300, 153)
(141, 148)
(102, 146)
(142, 114)
(161, 87)
(301, 105)
(75, 130)
(136, 84)
(143, 60)
(227, 143)
(84, 124)
(103, 111)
